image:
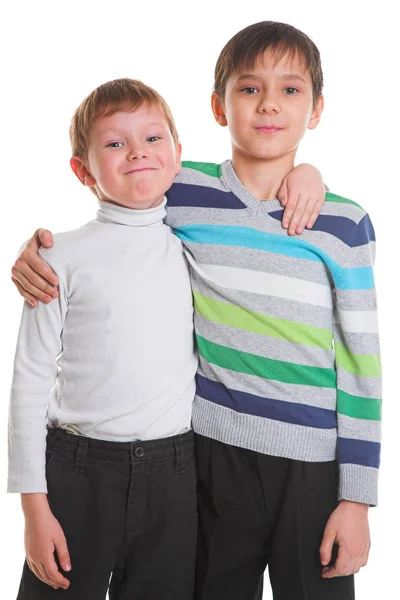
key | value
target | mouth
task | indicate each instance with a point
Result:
(269, 129)
(143, 170)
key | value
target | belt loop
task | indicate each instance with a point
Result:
(179, 466)
(81, 454)
(52, 435)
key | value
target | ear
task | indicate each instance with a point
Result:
(218, 110)
(178, 155)
(316, 113)
(81, 171)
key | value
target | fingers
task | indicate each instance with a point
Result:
(29, 257)
(63, 554)
(346, 564)
(53, 575)
(44, 237)
(48, 572)
(300, 211)
(294, 211)
(31, 299)
(26, 282)
(309, 211)
(325, 550)
(315, 213)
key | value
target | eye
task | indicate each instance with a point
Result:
(153, 138)
(249, 90)
(291, 91)
(115, 145)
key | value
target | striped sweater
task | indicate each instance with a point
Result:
(286, 327)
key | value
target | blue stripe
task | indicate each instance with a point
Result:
(184, 194)
(277, 410)
(358, 452)
(359, 278)
(344, 229)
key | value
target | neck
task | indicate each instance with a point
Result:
(121, 215)
(262, 177)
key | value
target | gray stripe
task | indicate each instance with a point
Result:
(367, 387)
(266, 388)
(261, 261)
(359, 343)
(272, 306)
(358, 484)
(263, 345)
(180, 216)
(359, 429)
(263, 435)
(194, 177)
(341, 209)
(354, 299)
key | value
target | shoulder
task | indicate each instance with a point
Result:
(344, 206)
(201, 185)
(69, 247)
(199, 173)
(211, 169)
(345, 219)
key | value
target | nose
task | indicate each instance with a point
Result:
(268, 104)
(136, 151)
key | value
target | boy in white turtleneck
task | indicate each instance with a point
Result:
(111, 493)
(119, 496)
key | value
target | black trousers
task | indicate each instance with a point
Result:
(257, 510)
(128, 511)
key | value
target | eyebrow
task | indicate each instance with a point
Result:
(286, 77)
(117, 130)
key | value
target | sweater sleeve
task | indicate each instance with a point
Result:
(35, 372)
(358, 370)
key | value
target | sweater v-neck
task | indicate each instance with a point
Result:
(233, 182)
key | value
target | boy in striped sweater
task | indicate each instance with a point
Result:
(287, 411)
(288, 404)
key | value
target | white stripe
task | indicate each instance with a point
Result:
(359, 321)
(267, 284)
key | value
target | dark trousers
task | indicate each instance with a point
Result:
(128, 511)
(257, 510)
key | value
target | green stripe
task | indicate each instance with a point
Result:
(207, 168)
(358, 407)
(251, 364)
(364, 365)
(329, 197)
(282, 329)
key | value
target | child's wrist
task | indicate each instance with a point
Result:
(34, 503)
(355, 505)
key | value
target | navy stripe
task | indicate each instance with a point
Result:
(278, 410)
(365, 232)
(358, 452)
(184, 194)
(341, 227)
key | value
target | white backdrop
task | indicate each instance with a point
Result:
(54, 54)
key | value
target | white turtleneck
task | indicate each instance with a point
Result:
(117, 346)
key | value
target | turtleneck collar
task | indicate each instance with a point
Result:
(121, 215)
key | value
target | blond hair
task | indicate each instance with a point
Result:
(111, 97)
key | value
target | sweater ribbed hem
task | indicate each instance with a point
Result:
(263, 435)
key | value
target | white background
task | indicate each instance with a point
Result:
(54, 54)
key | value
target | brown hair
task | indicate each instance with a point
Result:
(242, 51)
(109, 98)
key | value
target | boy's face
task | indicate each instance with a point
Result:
(269, 107)
(132, 158)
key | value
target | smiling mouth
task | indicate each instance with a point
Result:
(140, 170)
(269, 129)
